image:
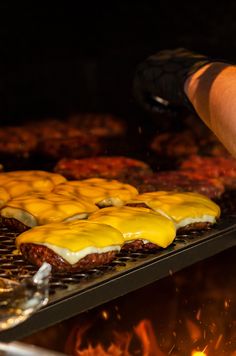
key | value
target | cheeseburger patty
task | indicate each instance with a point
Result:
(139, 245)
(13, 224)
(37, 254)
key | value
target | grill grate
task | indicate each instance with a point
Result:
(77, 292)
(13, 265)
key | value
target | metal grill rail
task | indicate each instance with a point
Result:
(71, 294)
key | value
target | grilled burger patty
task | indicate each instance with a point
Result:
(100, 191)
(204, 225)
(103, 167)
(179, 181)
(172, 144)
(16, 140)
(13, 224)
(187, 210)
(37, 254)
(70, 246)
(100, 125)
(33, 136)
(141, 227)
(187, 142)
(138, 244)
(222, 168)
(72, 147)
(79, 136)
(41, 209)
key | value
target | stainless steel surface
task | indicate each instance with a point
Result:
(18, 301)
(20, 349)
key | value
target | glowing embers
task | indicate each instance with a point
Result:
(142, 335)
(198, 353)
(190, 313)
(142, 339)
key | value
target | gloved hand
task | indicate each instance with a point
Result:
(159, 80)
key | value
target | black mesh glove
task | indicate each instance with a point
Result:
(159, 80)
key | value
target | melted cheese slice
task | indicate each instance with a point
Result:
(183, 208)
(73, 241)
(18, 183)
(37, 209)
(4, 196)
(138, 224)
(102, 192)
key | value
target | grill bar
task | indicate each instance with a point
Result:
(73, 294)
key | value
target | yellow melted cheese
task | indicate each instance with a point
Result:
(18, 183)
(37, 209)
(137, 223)
(4, 196)
(74, 240)
(102, 192)
(183, 208)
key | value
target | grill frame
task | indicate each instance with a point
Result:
(122, 278)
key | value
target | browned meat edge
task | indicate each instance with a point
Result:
(138, 245)
(13, 224)
(194, 226)
(37, 254)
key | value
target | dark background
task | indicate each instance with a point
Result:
(56, 59)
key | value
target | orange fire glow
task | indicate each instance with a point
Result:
(198, 353)
(207, 329)
(120, 346)
(144, 332)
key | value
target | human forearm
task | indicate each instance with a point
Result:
(212, 91)
(173, 78)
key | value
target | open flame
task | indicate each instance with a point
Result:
(121, 344)
(190, 313)
(148, 345)
(198, 353)
(142, 339)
